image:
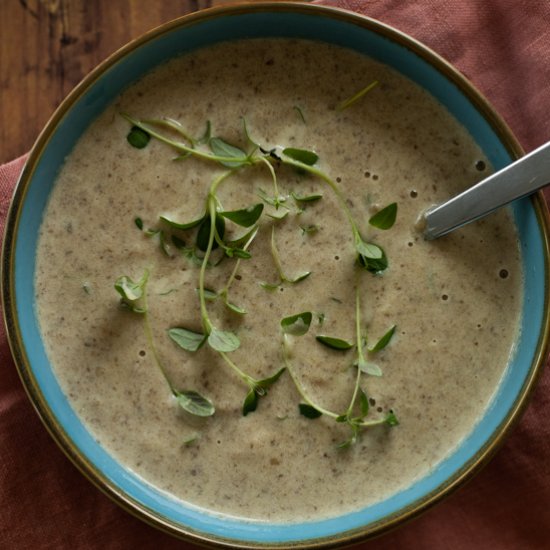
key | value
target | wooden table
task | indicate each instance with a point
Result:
(48, 46)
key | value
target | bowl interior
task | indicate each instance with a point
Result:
(89, 99)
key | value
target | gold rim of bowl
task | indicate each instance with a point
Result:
(34, 391)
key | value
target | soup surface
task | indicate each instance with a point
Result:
(454, 302)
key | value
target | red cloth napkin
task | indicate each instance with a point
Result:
(503, 46)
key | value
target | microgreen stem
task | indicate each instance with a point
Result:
(211, 209)
(275, 255)
(359, 348)
(298, 384)
(245, 377)
(151, 342)
(350, 101)
(274, 179)
(370, 423)
(222, 341)
(355, 392)
(333, 185)
(358, 324)
(225, 289)
(184, 148)
(172, 124)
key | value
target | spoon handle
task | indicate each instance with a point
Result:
(519, 179)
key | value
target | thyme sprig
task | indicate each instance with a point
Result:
(355, 416)
(210, 236)
(133, 296)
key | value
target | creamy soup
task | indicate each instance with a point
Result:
(454, 302)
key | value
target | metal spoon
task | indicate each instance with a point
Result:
(519, 179)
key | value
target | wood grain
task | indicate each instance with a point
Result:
(48, 46)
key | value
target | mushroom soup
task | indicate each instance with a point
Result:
(355, 378)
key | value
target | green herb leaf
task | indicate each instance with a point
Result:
(259, 389)
(132, 292)
(269, 286)
(209, 294)
(178, 225)
(346, 444)
(374, 265)
(367, 367)
(266, 383)
(250, 403)
(242, 240)
(138, 138)
(128, 289)
(297, 325)
(245, 217)
(194, 403)
(363, 403)
(334, 343)
(385, 218)
(309, 229)
(272, 201)
(309, 411)
(203, 234)
(205, 138)
(235, 308)
(248, 136)
(305, 198)
(391, 419)
(301, 155)
(237, 253)
(163, 244)
(223, 341)
(187, 339)
(369, 250)
(139, 223)
(352, 440)
(280, 215)
(189, 440)
(384, 341)
(298, 278)
(172, 125)
(223, 149)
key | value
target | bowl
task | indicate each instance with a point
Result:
(88, 100)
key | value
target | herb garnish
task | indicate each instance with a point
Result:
(213, 239)
(283, 278)
(349, 102)
(138, 138)
(385, 218)
(300, 112)
(334, 343)
(356, 414)
(133, 296)
(306, 198)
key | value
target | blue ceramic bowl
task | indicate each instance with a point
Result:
(89, 99)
